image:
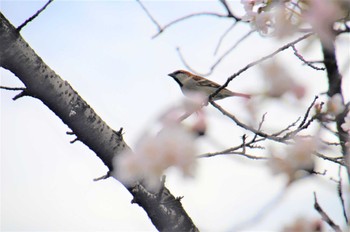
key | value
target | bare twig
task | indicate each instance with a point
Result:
(223, 36)
(229, 12)
(304, 124)
(300, 57)
(338, 160)
(162, 29)
(239, 123)
(106, 176)
(208, 155)
(19, 28)
(74, 140)
(287, 128)
(150, 16)
(325, 216)
(12, 88)
(307, 112)
(218, 61)
(21, 94)
(340, 194)
(261, 213)
(184, 62)
(259, 61)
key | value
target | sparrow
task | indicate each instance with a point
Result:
(193, 83)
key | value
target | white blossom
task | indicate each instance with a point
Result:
(295, 162)
(322, 14)
(335, 105)
(304, 225)
(153, 154)
(173, 145)
(278, 82)
(346, 125)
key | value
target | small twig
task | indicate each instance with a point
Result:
(21, 94)
(325, 216)
(103, 177)
(261, 213)
(330, 143)
(223, 36)
(287, 128)
(74, 140)
(150, 16)
(255, 131)
(338, 160)
(320, 173)
(340, 194)
(208, 155)
(19, 28)
(260, 125)
(244, 137)
(259, 61)
(229, 12)
(307, 112)
(187, 17)
(119, 132)
(300, 57)
(218, 61)
(12, 88)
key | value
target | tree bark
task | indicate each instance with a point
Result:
(41, 82)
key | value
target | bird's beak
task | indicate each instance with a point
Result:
(171, 74)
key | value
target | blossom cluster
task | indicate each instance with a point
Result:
(173, 145)
(283, 18)
(296, 161)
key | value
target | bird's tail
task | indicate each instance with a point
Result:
(241, 95)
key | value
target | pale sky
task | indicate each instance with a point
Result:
(105, 51)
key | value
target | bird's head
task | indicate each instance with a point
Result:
(180, 76)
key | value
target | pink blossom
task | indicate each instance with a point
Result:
(153, 154)
(259, 20)
(346, 125)
(322, 14)
(173, 145)
(278, 82)
(295, 162)
(335, 105)
(304, 225)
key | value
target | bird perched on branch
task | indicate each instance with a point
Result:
(192, 83)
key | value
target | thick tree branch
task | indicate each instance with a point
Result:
(41, 82)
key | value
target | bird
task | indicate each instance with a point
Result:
(189, 82)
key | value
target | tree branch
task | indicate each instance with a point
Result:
(259, 61)
(19, 28)
(334, 87)
(325, 216)
(19, 58)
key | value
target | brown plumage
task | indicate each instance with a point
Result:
(193, 83)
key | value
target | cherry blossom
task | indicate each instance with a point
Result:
(335, 105)
(278, 82)
(174, 145)
(346, 125)
(295, 162)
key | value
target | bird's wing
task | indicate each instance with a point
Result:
(201, 81)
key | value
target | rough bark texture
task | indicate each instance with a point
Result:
(41, 82)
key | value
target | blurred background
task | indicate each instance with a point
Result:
(105, 50)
